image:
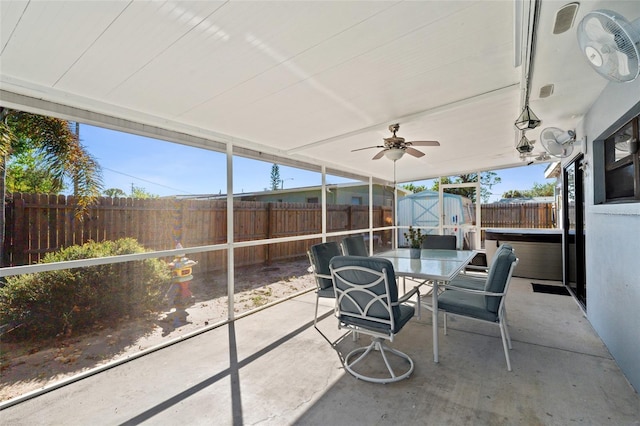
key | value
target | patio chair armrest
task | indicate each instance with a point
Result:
(408, 295)
(469, 290)
(477, 268)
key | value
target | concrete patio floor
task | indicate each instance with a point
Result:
(274, 368)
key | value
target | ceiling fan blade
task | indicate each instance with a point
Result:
(369, 147)
(414, 152)
(424, 143)
(379, 155)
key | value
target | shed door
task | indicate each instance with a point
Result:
(460, 215)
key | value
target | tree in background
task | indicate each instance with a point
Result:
(414, 188)
(487, 180)
(140, 192)
(275, 177)
(27, 173)
(114, 193)
(513, 193)
(136, 192)
(538, 190)
(543, 189)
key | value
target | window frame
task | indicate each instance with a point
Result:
(614, 174)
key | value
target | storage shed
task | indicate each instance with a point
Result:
(422, 209)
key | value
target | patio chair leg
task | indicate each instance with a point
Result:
(506, 329)
(504, 334)
(315, 318)
(445, 323)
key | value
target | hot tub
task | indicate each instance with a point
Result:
(539, 251)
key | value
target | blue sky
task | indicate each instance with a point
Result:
(163, 168)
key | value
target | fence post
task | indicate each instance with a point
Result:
(9, 232)
(267, 257)
(20, 232)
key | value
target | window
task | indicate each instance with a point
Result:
(622, 164)
(312, 200)
(356, 201)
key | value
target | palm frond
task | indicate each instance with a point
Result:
(62, 152)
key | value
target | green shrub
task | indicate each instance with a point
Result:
(45, 304)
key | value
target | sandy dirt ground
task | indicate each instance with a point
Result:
(30, 366)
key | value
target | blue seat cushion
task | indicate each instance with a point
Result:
(472, 283)
(406, 313)
(467, 304)
(440, 242)
(355, 246)
(322, 255)
(327, 292)
(497, 278)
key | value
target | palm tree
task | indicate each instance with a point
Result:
(61, 150)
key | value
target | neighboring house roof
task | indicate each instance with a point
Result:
(401, 191)
(553, 170)
(520, 200)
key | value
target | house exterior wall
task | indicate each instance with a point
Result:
(612, 238)
(335, 195)
(289, 197)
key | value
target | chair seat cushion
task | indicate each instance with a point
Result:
(327, 292)
(468, 304)
(472, 283)
(406, 313)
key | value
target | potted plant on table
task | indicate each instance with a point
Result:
(415, 238)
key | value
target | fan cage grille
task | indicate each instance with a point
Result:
(611, 44)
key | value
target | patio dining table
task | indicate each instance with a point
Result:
(439, 266)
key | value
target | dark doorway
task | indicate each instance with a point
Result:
(574, 229)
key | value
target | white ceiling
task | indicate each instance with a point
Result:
(307, 80)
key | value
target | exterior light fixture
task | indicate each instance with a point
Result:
(525, 146)
(527, 120)
(394, 154)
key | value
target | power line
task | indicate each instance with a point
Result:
(182, 191)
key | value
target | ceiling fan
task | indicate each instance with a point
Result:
(395, 147)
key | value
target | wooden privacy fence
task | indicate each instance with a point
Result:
(37, 224)
(521, 215)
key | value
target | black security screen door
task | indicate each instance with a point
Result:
(574, 230)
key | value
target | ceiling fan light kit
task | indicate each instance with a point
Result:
(527, 120)
(394, 154)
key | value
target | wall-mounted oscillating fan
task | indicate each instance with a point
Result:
(626, 143)
(611, 44)
(558, 142)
